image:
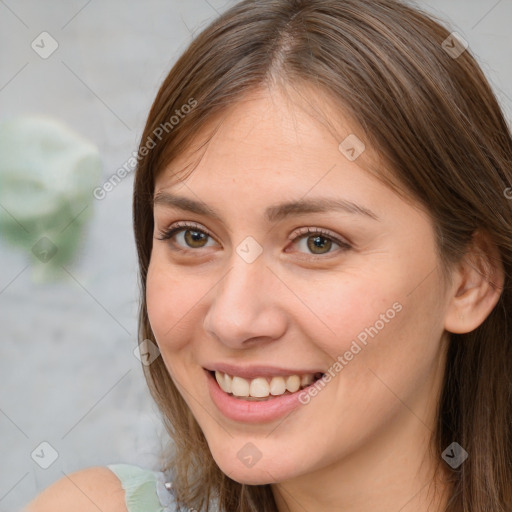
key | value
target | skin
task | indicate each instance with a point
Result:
(362, 443)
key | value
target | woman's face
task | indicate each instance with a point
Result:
(344, 282)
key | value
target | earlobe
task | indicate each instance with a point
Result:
(477, 286)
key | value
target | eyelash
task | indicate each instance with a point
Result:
(167, 234)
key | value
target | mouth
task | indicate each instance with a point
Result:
(261, 389)
(259, 394)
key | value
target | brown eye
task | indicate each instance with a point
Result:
(186, 236)
(195, 238)
(318, 242)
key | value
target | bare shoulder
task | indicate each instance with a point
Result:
(87, 490)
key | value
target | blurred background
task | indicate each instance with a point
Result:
(82, 75)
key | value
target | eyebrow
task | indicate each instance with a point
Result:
(272, 213)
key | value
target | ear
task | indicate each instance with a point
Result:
(477, 285)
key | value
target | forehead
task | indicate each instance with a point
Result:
(281, 144)
(276, 130)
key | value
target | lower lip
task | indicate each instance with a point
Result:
(249, 411)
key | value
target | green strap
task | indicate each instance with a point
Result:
(139, 486)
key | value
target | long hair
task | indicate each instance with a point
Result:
(431, 115)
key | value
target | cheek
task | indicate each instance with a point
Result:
(377, 319)
(390, 340)
(173, 297)
(167, 303)
(353, 307)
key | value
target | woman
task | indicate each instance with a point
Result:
(324, 228)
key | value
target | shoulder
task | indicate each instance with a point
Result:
(87, 490)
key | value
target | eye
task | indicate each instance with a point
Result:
(318, 241)
(193, 236)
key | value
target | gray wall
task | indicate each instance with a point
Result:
(68, 373)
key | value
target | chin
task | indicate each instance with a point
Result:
(260, 473)
(252, 476)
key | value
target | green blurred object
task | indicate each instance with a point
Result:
(47, 174)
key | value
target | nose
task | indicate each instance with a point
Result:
(245, 305)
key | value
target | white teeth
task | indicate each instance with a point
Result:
(262, 387)
(293, 383)
(259, 388)
(224, 381)
(277, 386)
(228, 383)
(239, 386)
(220, 380)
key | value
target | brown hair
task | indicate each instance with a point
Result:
(434, 120)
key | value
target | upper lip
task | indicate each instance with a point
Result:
(254, 371)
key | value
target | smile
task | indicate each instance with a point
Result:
(267, 407)
(262, 388)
